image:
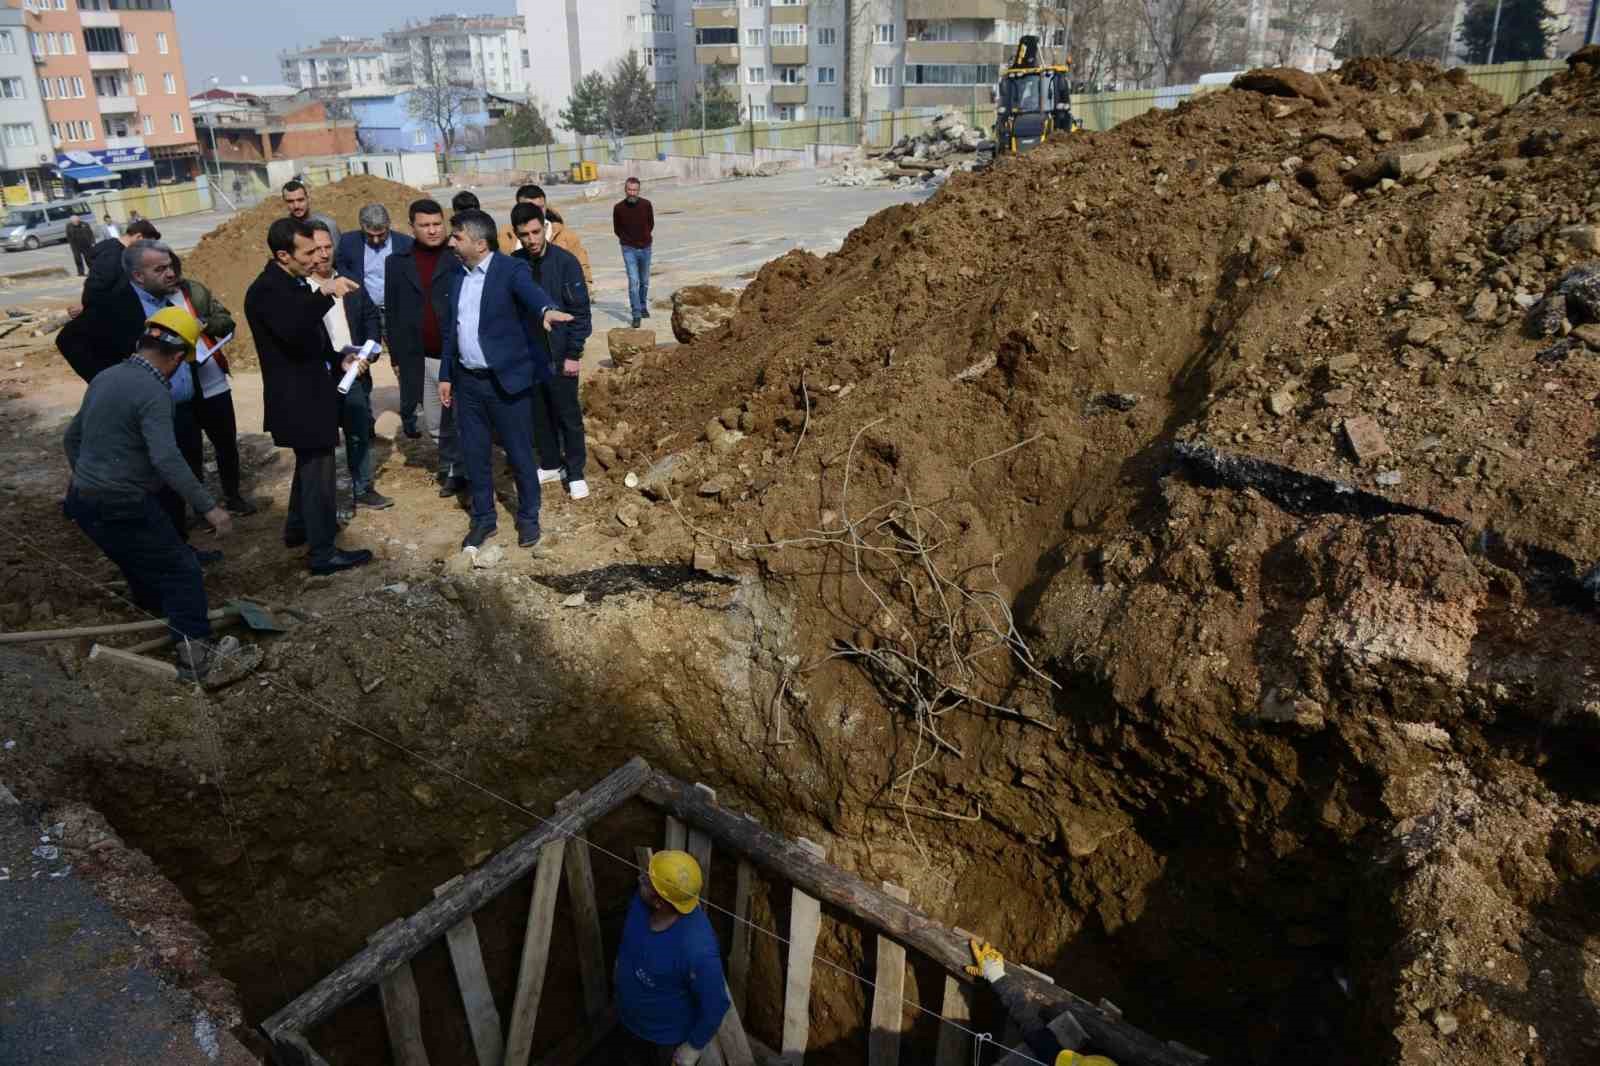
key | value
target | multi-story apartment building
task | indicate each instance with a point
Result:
(25, 152)
(485, 52)
(336, 64)
(110, 75)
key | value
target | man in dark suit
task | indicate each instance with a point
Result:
(285, 307)
(493, 357)
(352, 322)
(364, 256)
(411, 299)
(105, 259)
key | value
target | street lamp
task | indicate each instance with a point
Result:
(211, 124)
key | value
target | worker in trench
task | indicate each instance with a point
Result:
(670, 991)
(1056, 1041)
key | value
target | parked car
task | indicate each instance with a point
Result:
(32, 225)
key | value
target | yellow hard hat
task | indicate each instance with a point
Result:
(676, 878)
(1072, 1058)
(176, 322)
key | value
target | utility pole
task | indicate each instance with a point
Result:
(1494, 34)
(1594, 10)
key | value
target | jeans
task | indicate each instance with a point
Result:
(637, 262)
(558, 426)
(314, 502)
(441, 422)
(483, 409)
(355, 418)
(215, 417)
(163, 574)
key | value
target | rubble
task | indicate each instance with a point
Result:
(948, 146)
(699, 309)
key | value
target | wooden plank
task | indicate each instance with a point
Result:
(786, 860)
(888, 997)
(127, 660)
(477, 887)
(699, 842)
(535, 953)
(732, 1041)
(402, 1012)
(955, 1045)
(677, 836)
(805, 919)
(466, 957)
(586, 918)
(292, 1049)
(739, 949)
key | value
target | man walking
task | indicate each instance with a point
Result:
(634, 221)
(352, 322)
(297, 199)
(557, 413)
(556, 231)
(364, 256)
(492, 359)
(80, 238)
(285, 308)
(121, 449)
(414, 296)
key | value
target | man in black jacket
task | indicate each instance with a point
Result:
(105, 259)
(285, 307)
(557, 413)
(415, 300)
(80, 238)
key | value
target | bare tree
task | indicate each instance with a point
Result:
(440, 98)
(1184, 33)
(1395, 28)
(1296, 26)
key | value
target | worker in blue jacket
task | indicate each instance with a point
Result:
(671, 994)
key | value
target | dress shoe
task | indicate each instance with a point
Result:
(238, 505)
(634, 324)
(411, 430)
(644, 314)
(294, 540)
(477, 535)
(578, 490)
(548, 477)
(207, 556)
(375, 500)
(342, 560)
(452, 486)
(527, 536)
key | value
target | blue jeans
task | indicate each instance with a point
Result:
(637, 262)
(163, 574)
(483, 411)
(355, 418)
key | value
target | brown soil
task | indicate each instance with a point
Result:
(231, 256)
(1289, 760)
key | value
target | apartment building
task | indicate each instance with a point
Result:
(487, 52)
(110, 76)
(336, 64)
(25, 152)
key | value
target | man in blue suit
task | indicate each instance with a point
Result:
(490, 363)
(362, 256)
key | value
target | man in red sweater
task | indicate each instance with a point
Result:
(634, 221)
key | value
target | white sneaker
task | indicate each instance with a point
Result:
(579, 489)
(548, 477)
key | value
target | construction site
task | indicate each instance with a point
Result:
(1171, 554)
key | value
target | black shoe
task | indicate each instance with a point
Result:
(411, 430)
(342, 560)
(635, 323)
(644, 314)
(527, 536)
(452, 486)
(206, 556)
(238, 505)
(294, 540)
(375, 500)
(477, 535)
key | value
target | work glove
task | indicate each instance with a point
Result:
(991, 965)
(686, 1055)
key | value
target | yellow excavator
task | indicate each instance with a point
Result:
(1033, 101)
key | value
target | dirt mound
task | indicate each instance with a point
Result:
(230, 257)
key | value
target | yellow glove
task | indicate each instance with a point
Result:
(1072, 1058)
(991, 965)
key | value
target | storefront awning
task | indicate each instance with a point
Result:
(87, 173)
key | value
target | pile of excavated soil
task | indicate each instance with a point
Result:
(231, 256)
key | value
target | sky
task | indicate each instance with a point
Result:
(227, 38)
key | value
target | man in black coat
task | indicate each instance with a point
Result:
(285, 307)
(105, 259)
(80, 238)
(415, 301)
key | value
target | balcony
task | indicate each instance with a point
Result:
(100, 20)
(108, 61)
(124, 143)
(117, 105)
(946, 95)
(725, 16)
(788, 55)
(987, 53)
(787, 14)
(716, 55)
(957, 9)
(788, 94)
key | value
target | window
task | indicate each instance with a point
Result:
(660, 23)
(8, 43)
(107, 85)
(827, 75)
(667, 93)
(754, 38)
(631, 23)
(161, 43)
(419, 138)
(758, 112)
(885, 33)
(20, 135)
(717, 35)
(788, 35)
(130, 41)
(169, 84)
(883, 75)
(55, 133)
(755, 75)
(102, 39)
(69, 44)
(38, 44)
(149, 123)
(790, 75)
(951, 74)
(928, 30)
(827, 35)
(177, 122)
(827, 111)
(46, 92)
(786, 113)
(77, 88)
(61, 5)
(63, 90)
(53, 43)
(139, 86)
(754, 3)
(12, 89)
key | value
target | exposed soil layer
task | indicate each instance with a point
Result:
(1279, 740)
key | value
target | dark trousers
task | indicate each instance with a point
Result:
(355, 418)
(214, 417)
(80, 259)
(314, 502)
(186, 429)
(484, 410)
(558, 426)
(409, 373)
(163, 574)
(637, 1051)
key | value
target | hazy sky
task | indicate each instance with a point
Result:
(228, 38)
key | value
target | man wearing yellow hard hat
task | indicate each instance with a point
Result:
(671, 994)
(1057, 1041)
(122, 450)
